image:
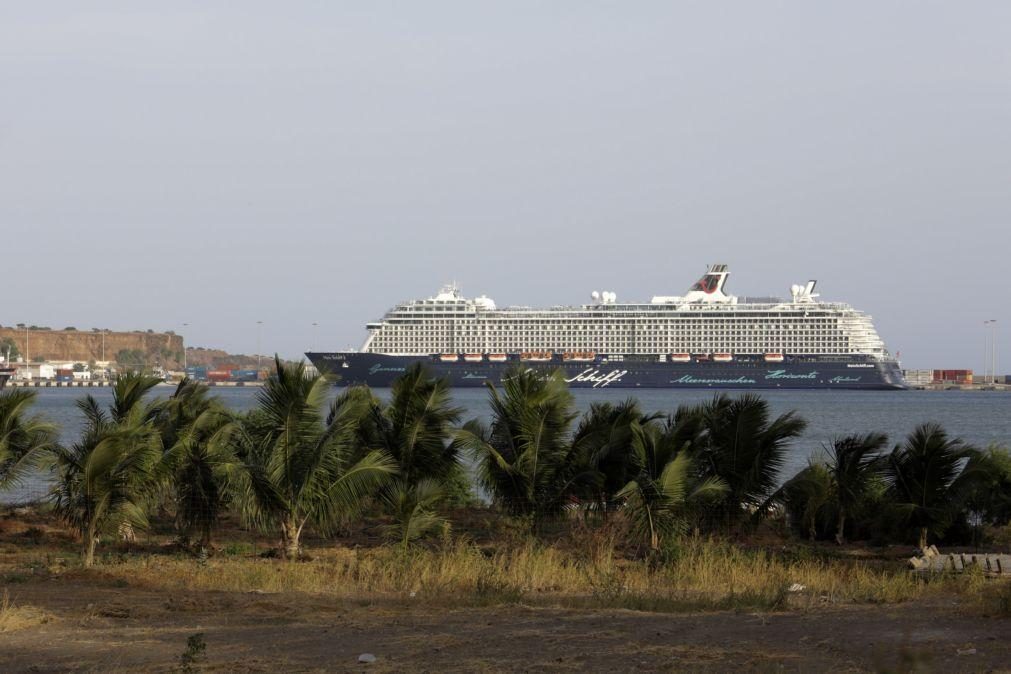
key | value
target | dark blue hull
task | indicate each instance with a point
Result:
(795, 372)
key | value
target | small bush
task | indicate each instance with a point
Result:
(194, 653)
(236, 549)
(33, 535)
(998, 602)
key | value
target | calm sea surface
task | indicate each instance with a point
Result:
(981, 418)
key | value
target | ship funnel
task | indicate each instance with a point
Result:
(714, 280)
(709, 288)
(804, 293)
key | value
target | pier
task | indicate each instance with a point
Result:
(105, 383)
(46, 383)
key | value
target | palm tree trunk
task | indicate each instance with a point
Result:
(205, 537)
(290, 538)
(88, 548)
(654, 537)
(839, 528)
(923, 538)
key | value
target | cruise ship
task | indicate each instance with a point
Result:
(705, 338)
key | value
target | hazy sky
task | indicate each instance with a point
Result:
(219, 163)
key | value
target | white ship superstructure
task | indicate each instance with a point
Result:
(706, 320)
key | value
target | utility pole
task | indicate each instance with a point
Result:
(314, 331)
(182, 339)
(26, 345)
(259, 335)
(993, 351)
(986, 350)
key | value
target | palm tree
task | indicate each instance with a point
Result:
(304, 469)
(854, 463)
(807, 494)
(24, 439)
(200, 464)
(415, 426)
(988, 501)
(413, 508)
(664, 486)
(525, 458)
(104, 480)
(736, 442)
(603, 443)
(930, 474)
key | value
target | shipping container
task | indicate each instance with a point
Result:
(953, 376)
(918, 377)
(219, 375)
(198, 372)
(64, 377)
(245, 375)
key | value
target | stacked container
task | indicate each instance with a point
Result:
(953, 377)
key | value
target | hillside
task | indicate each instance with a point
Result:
(149, 348)
(136, 349)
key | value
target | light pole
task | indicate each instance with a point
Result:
(993, 351)
(314, 331)
(26, 345)
(259, 335)
(986, 350)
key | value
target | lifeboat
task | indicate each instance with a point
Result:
(774, 358)
(701, 356)
(680, 358)
(579, 356)
(449, 357)
(472, 357)
(497, 357)
(538, 356)
(722, 357)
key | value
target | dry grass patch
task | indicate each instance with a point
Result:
(14, 617)
(701, 574)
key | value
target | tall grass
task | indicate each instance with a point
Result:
(14, 617)
(701, 574)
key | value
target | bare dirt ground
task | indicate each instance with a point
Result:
(93, 623)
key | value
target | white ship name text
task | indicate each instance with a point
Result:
(595, 377)
(783, 374)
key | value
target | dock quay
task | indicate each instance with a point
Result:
(961, 387)
(59, 384)
(105, 383)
